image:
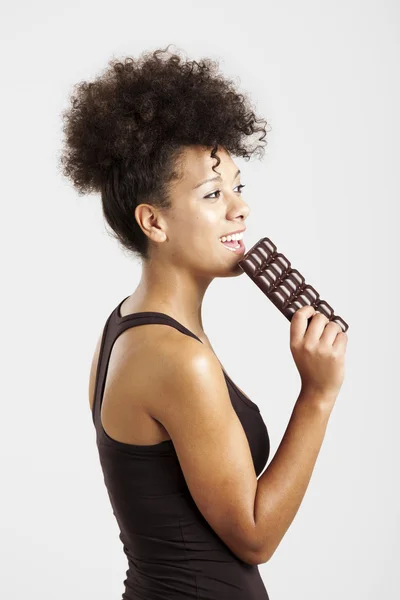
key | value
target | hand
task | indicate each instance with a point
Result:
(318, 348)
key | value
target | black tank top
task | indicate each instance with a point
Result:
(172, 551)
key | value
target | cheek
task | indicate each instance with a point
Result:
(198, 228)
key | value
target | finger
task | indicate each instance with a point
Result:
(340, 344)
(316, 328)
(299, 323)
(330, 333)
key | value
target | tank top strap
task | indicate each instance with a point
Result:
(114, 326)
(144, 317)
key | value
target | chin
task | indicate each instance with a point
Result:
(233, 271)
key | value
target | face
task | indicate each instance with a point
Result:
(188, 235)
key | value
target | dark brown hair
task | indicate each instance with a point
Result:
(125, 130)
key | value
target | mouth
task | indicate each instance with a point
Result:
(235, 246)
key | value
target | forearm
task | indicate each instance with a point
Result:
(282, 486)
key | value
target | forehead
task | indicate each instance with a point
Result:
(196, 163)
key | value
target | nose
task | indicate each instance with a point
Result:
(239, 208)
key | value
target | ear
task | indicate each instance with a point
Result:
(151, 222)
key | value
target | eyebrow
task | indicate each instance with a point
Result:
(217, 178)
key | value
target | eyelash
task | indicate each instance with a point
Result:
(219, 191)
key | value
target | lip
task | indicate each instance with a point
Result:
(239, 251)
(232, 232)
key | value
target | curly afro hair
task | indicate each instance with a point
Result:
(125, 130)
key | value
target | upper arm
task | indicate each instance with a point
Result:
(191, 400)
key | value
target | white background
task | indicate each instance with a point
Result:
(326, 77)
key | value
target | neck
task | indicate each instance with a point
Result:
(174, 291)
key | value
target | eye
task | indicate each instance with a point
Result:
(219, 191)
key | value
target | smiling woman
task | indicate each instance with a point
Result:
(179, 444)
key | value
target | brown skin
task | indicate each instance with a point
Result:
(186, 254)
(184, 396)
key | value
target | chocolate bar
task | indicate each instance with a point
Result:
(285, 287)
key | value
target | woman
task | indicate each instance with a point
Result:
(179, 443)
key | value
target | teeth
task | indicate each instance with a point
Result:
(229, 238)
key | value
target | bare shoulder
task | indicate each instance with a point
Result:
(173, 355)
(141, 355)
